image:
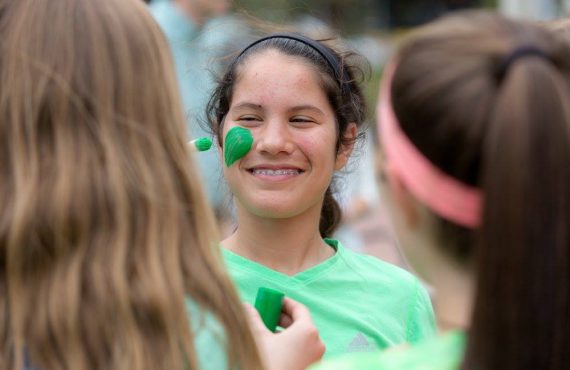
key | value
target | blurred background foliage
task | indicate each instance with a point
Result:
(357, 16)
(374, 27)
(366, 25)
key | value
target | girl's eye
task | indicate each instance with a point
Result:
(248, 120)
(301, 120)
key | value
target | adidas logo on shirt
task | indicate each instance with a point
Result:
(360, 344)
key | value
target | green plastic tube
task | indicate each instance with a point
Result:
(269, 303)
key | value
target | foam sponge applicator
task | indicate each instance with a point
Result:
(269, 303)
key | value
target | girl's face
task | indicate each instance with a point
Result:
(286, 173)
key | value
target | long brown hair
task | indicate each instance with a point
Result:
(506, 129)
(104, 229)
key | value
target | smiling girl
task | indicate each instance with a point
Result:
(300, 100)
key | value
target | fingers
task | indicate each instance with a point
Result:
(255, 323)
(300, 321)
(295, 310)
(320, 350)
(294, 348)
(285, 320)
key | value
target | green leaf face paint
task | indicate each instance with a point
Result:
(237, 144)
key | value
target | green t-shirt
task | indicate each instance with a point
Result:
(209, 338)
(358, 302)
(443, 353)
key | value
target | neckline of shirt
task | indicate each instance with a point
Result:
(302, 278)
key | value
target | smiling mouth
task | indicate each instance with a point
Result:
(272, 172)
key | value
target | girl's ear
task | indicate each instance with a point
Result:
(346, 149)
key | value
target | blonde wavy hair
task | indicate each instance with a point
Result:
(104, 229)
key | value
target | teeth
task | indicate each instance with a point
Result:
(276, 172)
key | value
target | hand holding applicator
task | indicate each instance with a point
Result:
(294, 347)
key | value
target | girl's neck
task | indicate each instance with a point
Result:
(454, 309)
(286, 245)
(452, 281)
(453, 298)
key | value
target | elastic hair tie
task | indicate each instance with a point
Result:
(332, 60)
(442, 194)
(517, 54)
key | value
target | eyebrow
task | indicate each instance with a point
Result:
(258, 107)
(306, 107)
(248, 105)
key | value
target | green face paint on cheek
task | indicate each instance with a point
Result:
(237, 144)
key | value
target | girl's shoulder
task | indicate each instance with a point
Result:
(375, 267)
(394, 289)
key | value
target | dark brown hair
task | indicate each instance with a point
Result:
(104, 230)
(509, 134)
(345, 98)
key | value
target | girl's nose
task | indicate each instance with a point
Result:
(274, 138)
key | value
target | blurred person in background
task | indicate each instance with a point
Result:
(106, 241)
(561, 26)
(200, 34)
(475, 132)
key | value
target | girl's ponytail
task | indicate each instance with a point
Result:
(331, 215)
(522, 313)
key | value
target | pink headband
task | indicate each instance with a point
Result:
(444, 195)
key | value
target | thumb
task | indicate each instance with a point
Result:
(296, 311)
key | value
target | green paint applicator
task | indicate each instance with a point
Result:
(269, 303)
(201, 144)
(238, 143)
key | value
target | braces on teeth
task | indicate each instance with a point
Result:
(275, 172)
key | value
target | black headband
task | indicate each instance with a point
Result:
(333, 61)
(518, 53)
